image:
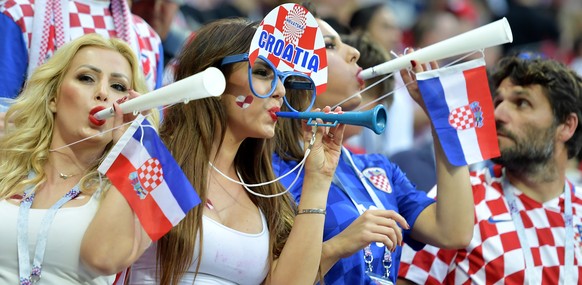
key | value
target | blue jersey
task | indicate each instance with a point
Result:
(14, 58)
(394, 191)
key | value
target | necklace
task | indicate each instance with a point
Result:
(66, 176)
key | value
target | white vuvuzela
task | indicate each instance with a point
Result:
(207, 83)
(493, 34)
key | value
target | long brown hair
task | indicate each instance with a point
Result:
(189, 131)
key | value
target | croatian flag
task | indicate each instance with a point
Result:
(460, 106)
(143, 170)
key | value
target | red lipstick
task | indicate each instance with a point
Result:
(92, 118)
(360, 80)
(272, 113)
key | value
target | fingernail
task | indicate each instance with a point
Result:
(413, 62)
(121, 100)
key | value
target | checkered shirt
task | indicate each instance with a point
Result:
(494, 255)
(93, 17)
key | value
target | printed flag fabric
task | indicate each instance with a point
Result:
(143, 170)
(460, 106)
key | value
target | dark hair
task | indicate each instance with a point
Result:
(362, 17)
(371, 54)
(561, 85)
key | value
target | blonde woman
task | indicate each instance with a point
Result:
(50, 190)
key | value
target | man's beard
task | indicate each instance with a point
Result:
(531, 152)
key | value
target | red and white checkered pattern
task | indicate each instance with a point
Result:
(462, 118)
(377, 176)
(91, 17)
(150, 174)
(494, 255)
(310, 40)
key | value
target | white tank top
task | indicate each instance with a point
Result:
(229, 257)
(62, 264)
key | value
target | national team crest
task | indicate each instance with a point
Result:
(147, 177)
(466, 117)
(377, 176)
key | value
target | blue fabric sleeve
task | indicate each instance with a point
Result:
(411, 202)
(14, 55)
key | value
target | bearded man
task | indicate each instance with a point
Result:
(528, 216)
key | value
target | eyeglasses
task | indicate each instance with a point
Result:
(263, 75)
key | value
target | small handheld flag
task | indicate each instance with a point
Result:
(460, 106)
(143, 170)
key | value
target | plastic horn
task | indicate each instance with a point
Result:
(207, 83)
(374, 119)
(496, 33)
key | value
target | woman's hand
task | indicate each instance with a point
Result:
(326, 148)
(383, 226)
(409, 78)
(121, 119)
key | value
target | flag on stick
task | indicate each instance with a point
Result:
(143, 170)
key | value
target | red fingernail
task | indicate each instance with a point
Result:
(121, 100)
(413, 62)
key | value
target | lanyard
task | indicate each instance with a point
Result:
(371, 192)
(27, 275)
(368, 257)
(569, 238)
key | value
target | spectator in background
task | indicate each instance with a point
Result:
(158, 13)
(534, 27)
(28, 39)
(379, 23)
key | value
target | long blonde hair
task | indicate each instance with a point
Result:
(25, 146)
(189, 131)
